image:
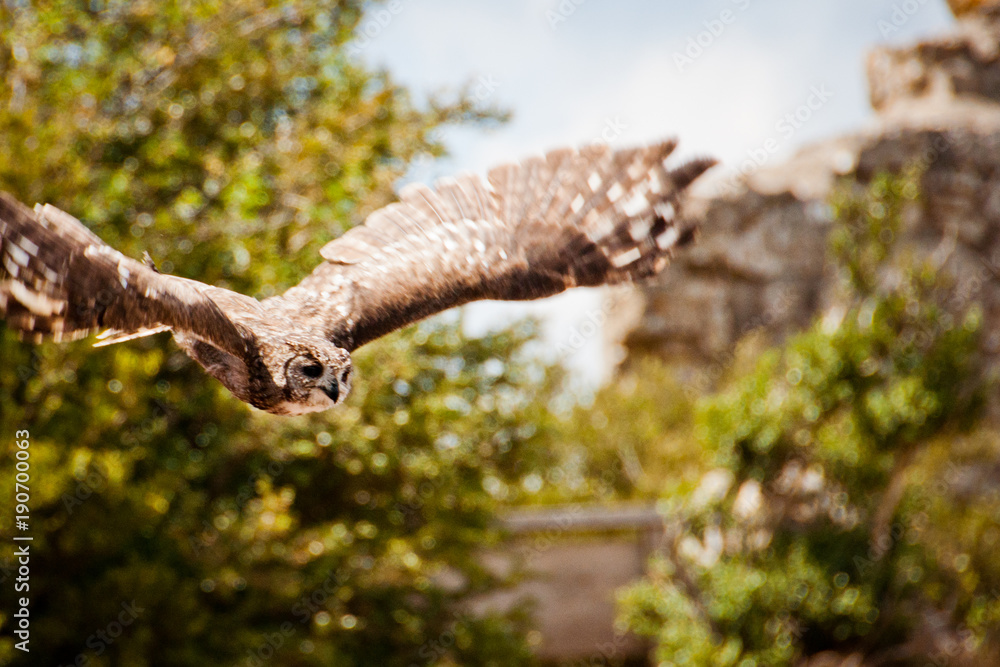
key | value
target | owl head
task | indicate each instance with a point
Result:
(282, 373)
(312, 373)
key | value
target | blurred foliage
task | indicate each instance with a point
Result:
(600, 455)
(231, 140)
(848, 503)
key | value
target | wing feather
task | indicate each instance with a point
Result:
(530, 230)
(71, 284)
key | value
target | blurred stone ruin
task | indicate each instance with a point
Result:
(762, 260)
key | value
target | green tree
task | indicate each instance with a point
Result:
(843, 509)
(171, 524)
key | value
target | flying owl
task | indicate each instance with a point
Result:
(532, 229)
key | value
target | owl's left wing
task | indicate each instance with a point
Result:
(533, 229)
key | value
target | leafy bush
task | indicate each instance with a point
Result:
(842, 508)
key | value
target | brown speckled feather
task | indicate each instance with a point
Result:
(533, 229)
(60, 280)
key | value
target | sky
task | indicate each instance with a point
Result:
(722, 76)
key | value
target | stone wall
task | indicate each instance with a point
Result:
(577, 558)
(761, 262)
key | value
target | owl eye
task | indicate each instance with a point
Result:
(312, 371)
(343, 377)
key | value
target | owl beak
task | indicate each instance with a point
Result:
(333, 391)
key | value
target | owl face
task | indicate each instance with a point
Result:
(315, 377)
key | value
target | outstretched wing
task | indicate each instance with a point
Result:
(59, 280)
(570, 218)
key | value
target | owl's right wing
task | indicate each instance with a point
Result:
(532, 229)
(58, 280)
